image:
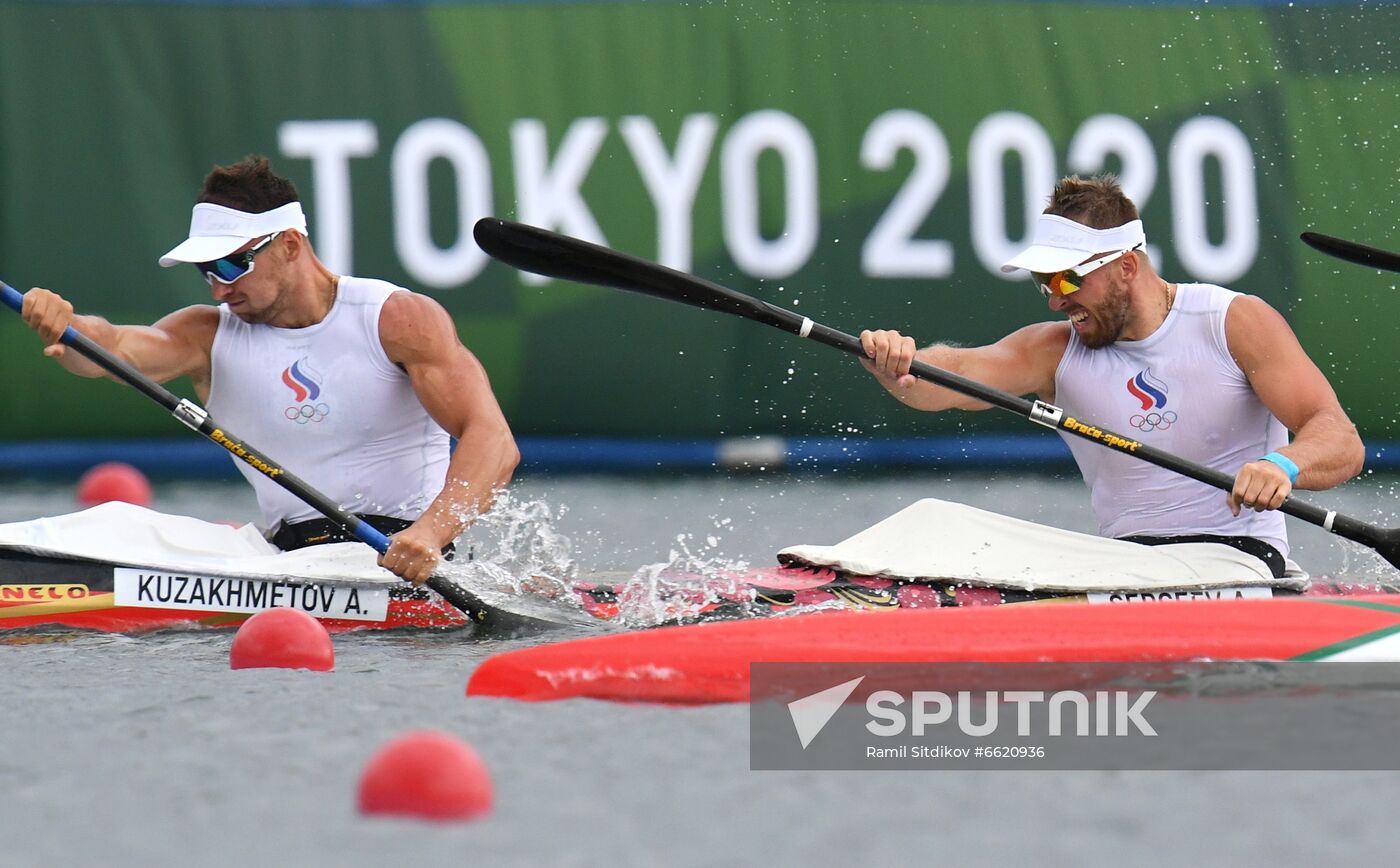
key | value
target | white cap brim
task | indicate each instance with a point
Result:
(216, 231)
(1059, 243)
(204, 248)
(1044, 259)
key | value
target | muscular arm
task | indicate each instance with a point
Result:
(1021, 363)
(419, 336)
(1325, 444)
(176, 345)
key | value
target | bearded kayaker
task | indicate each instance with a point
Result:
(1213, 375)
(358, 383)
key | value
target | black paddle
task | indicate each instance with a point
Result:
(530, 248)
(1360, 254)
(197, 418)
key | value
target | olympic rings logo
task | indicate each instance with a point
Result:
(307, 413)
(1153, 421)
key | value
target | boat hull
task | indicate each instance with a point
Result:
(42, 592)
(778, 589)
(712, 663)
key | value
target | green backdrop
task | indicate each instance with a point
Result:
(865, 161)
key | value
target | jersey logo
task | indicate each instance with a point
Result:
(1151, 393)
(305, 383)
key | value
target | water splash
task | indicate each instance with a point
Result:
(698, 581)
(521, 563)
(518, 542)
(515, 559)
(694, 578)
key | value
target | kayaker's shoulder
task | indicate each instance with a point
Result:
(1039, 345)
(196, 323)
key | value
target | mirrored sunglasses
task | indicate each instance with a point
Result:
(229, 268)
(1069, 281)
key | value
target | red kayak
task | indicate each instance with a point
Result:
(709, 663)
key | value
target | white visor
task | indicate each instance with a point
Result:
(216, 231)
(1059, 243)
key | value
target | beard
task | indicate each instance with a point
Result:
(1111, 317)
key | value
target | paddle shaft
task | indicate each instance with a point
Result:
(198, 419)
(1372, 257)
(531, 248)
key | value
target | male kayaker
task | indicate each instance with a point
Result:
(355, 385)
(1198, 370)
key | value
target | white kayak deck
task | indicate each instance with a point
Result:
(121, 533)
(929, 540)
(938, 540)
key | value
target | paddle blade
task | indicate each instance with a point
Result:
(530, 248)
(1387, 544)
(1360, 254)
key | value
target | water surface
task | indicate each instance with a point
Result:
(148, 750)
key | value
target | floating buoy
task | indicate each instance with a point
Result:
(426, 774)
(282, 639)
(114, 481)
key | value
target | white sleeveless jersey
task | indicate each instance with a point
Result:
(1181, 391)
(326, 403)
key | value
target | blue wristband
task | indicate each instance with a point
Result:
(1286, 463)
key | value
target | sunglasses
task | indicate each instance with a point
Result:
(1069, 281)
(230, 268)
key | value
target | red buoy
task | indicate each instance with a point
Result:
(282, 639)
(426, 774)
(114, 481)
